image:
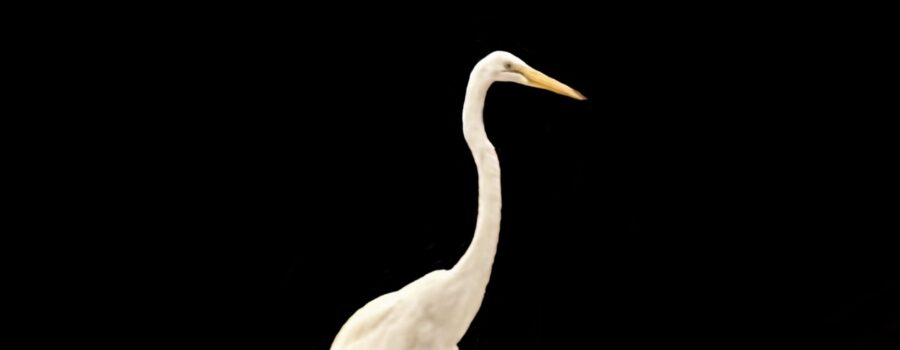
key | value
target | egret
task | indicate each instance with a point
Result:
(434, 312)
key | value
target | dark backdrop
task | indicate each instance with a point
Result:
(725, 185)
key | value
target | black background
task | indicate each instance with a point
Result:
(725, 185)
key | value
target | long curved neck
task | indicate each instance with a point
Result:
(476, 263)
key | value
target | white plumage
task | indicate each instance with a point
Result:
(434, 312)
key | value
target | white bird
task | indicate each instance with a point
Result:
(434, 312)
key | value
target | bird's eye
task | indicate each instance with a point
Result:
(507, 66)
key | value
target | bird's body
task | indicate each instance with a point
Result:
(411, 317)
(434, 312)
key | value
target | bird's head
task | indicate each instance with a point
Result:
(504, 66)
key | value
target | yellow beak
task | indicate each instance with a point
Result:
(542, 81)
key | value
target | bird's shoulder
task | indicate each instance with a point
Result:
(430, 279)
(433, 282)
(367, 319)
(392, 311)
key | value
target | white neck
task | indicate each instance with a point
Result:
(475, 265)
